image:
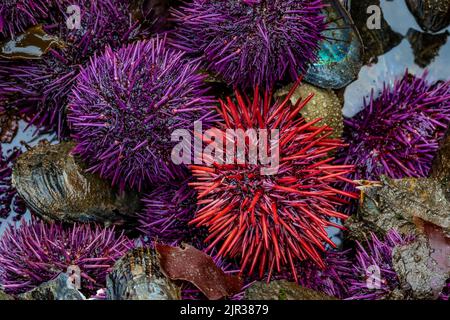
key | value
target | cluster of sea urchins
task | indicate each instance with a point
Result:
(41, 86)
(36, 252)
(251, 42)
(126, 105)
(272, 220)
(398, 132)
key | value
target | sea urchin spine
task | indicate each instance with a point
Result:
(272, 220)
(251, 42)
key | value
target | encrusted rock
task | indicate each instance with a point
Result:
(138, 276)
(4, 296)
(282, 290)
(396, 203)
(55, 185)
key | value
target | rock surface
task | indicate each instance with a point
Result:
(431, 15)
(397, 204)
(282, 290)
(56, 289)
(419, 273)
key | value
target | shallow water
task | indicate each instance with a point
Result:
(393, 63)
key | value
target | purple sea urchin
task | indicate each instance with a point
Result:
(16, 15)
(375, 276)
(127, 104)
(398, 132)
(251, 42)
(40, 87)
(168, 209)
(36, 252)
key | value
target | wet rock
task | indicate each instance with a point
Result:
(138, 276)
(419, 273)
(431, 15)
(425, 46)
(54, 184)
(340, 55)
(56, 289)
(376, 41)
(398, 203)
(282, 290)
(4, 296)
(325, 104)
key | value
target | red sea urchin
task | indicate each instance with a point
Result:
(127, 104)
(251, 42)
(397, 133)
(272, 220)
(36, 252)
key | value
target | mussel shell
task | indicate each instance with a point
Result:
(55, 185)
(431, 15)
(138, 276)
(341, 52)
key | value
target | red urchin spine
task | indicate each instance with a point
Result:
(273, 221)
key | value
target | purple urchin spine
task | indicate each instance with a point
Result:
(334, 279)
(127, 104)
(397, 133)
(251, 42)
(374, 264)
(36, 252)
(168, 209)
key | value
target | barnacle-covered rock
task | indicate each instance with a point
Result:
(431, 15)
(55, 186)
(138, 276)
(56, 289)
(398, 203)
(4, 296)
(282, 290)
